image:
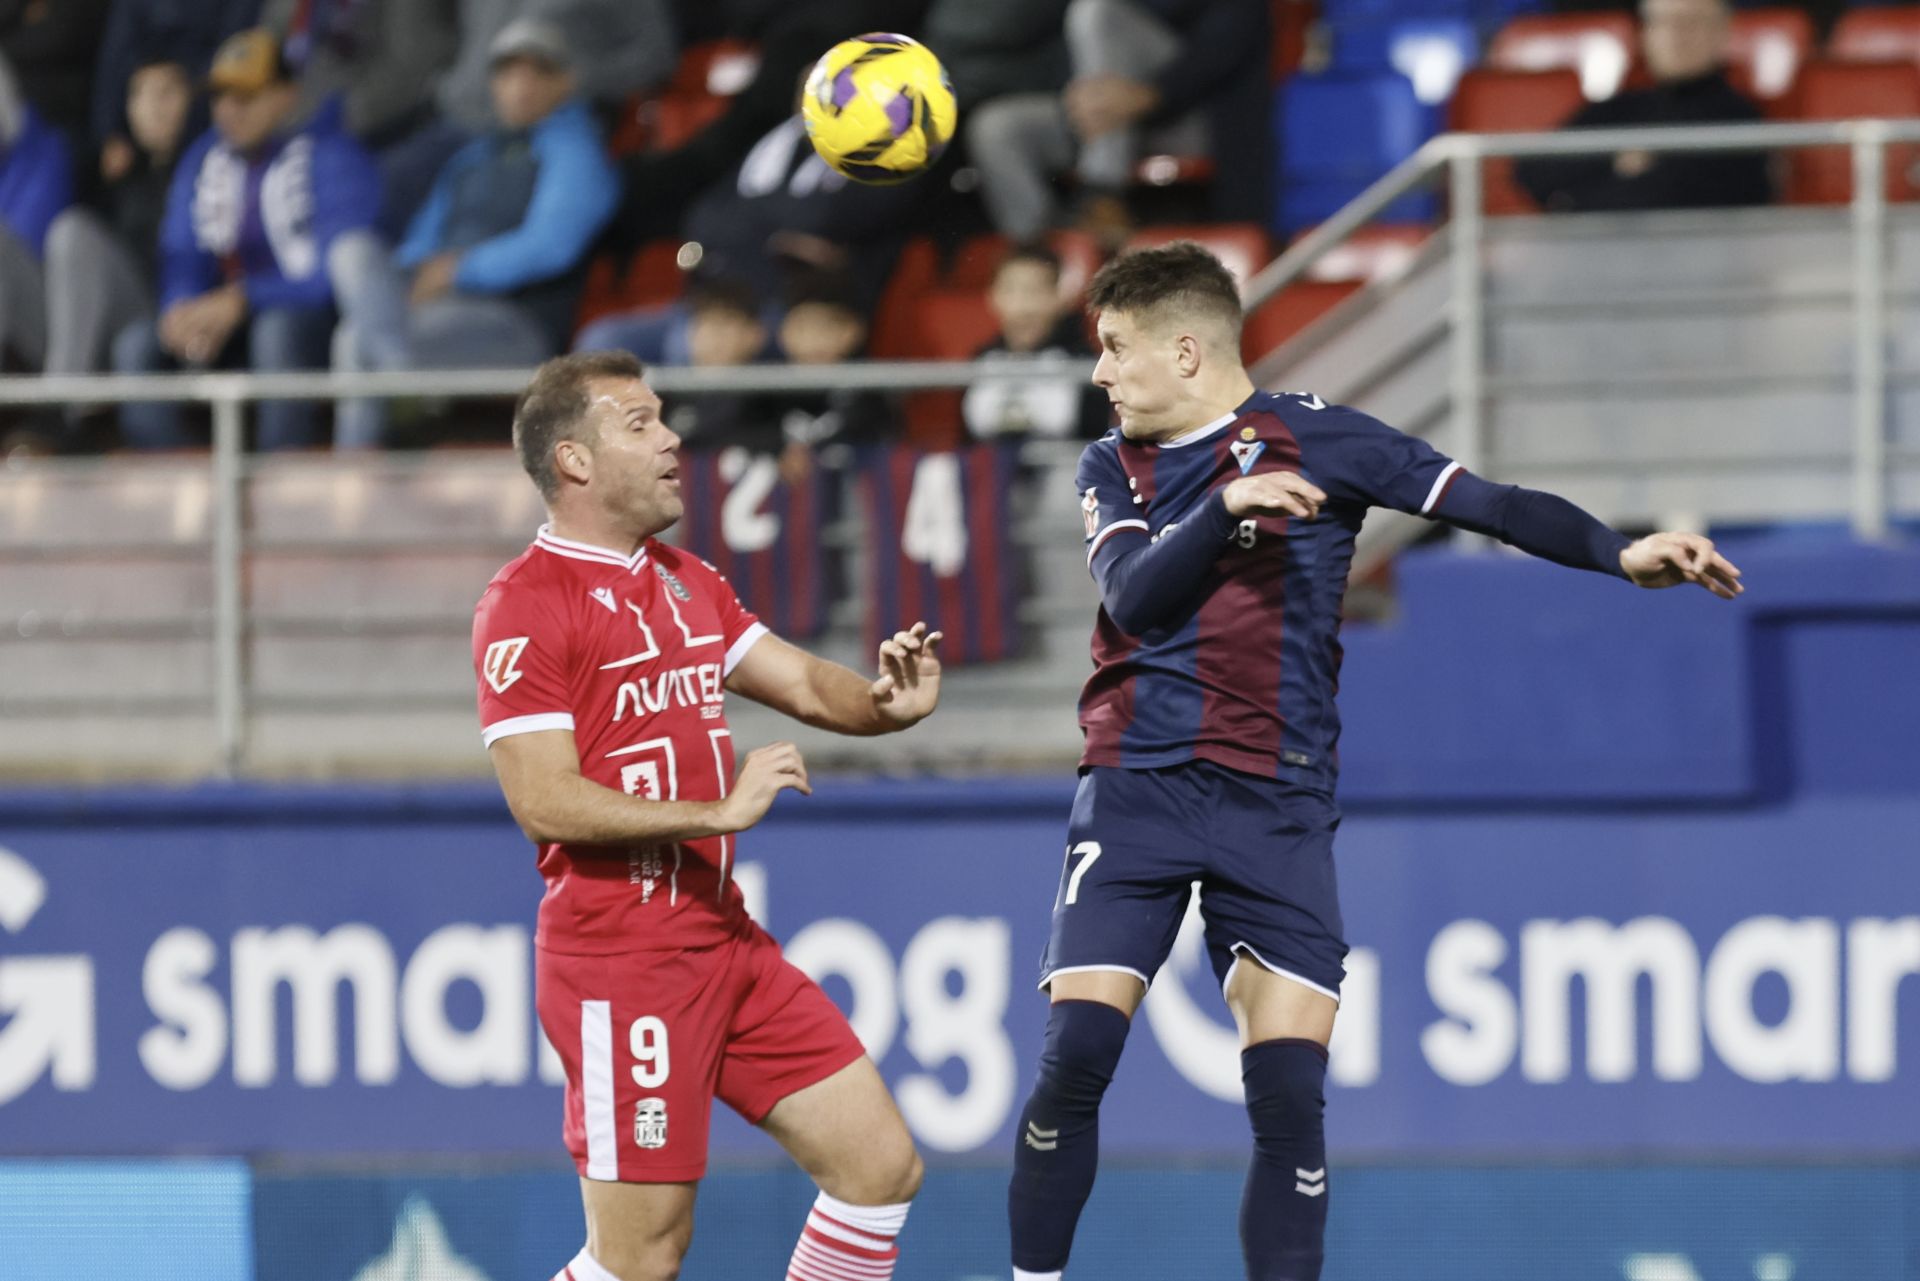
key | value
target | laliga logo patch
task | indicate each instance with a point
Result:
(1090, 509)
(501, 666)
(672, 583)
(1246, 453)
(650, 1123)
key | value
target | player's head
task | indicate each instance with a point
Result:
(1169, 326)
(589, 433)
(1026, 296)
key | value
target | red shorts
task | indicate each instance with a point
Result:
(650, 1039)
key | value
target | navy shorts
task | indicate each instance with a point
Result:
(1260, 849)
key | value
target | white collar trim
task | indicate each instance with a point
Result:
(1201, 433)
(567, 547)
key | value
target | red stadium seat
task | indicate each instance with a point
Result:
(894, 320)
(1767, 48)
(953, 324)
(1290, 311)
(1242, 246)
(1292, 21)
(1877, 35)
(652, 277)
(1371, 253)
(703, 85)
(1599, 46)
(1489, 101)
(1852, 91)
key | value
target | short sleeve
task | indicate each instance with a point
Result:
(1361, 459)
(740, 627)
(520, 656)
(1106, 499)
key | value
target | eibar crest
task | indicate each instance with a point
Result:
(1090, 509)
(1246, 453)
(672, 583)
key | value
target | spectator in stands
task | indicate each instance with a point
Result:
(375, 61)
(257, 210)
(790, 35)
(1035, 321)
(102, 253)
(779, 212)
(138, 31)
(992, 48)
(36, 183)
(1684, 43)
(54, 46)
(497, 255)
(727, 328)
(824, 325)
(1189, 74)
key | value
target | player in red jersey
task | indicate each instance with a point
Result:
(604, 660)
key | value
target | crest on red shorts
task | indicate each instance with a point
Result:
(650, 1123)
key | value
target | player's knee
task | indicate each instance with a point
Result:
(1285, 1083)
(1084, 1041)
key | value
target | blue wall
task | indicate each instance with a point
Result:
(1628, 873)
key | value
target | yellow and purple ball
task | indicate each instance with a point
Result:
(879, 108)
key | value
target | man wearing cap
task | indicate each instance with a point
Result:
(255, 209)
(495, 258)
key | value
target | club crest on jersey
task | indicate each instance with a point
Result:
(650, 1123)
(1246, 453)
(501, 666)
(672, 583)
(1090, 509)
(605, 596)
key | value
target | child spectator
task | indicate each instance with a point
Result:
(36, 183)
(725, 328)
(824, 326)
(1035, 321)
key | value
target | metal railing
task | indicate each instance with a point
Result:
(1460, 160)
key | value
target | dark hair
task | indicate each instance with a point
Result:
(827, 288)
(1181, 277)
(1033, 251)
(723, 293)
(553, 408)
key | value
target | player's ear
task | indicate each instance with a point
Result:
(1186, 354)
(573, 460)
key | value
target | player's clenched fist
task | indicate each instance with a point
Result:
(1274, 493)
(764, 774)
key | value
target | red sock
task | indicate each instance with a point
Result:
(844, 1242)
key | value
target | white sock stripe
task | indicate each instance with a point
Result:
(825, 1251)
(880, 1220)
(827, 1227)
(839, 1267)
(1018, 1275)
(585, 1267)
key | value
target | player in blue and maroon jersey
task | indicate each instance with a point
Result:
(1220, 526)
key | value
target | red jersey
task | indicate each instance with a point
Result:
(630, 654)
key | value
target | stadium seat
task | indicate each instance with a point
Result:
(704, 82)
(1339, 132)
(895, 321)
(974, 264)
(1379, 252)
(1877, 35)
(651, 277)
(1600, 46)
(1291, 21)
(1767, 48)
(1490, 101)
(1852, 91)
(953, 324)
(1431, 52)
(1290, 311)
(1242, 246)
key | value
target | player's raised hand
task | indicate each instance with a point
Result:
(1667, 560)
(764, 774)
(1274, 493)
(909, 684)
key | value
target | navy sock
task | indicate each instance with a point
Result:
(1058, 1147)
(1283, 1215)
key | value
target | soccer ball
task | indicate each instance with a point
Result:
(879, 108)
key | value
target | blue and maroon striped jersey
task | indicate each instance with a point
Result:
(1244, 671)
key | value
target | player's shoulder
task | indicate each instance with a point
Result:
(1100, 458)
(1311, 419)
(530, 582)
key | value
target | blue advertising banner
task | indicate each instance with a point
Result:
(350, 971)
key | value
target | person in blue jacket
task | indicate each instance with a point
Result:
(254, 212)
(495, 258)
(36, 183)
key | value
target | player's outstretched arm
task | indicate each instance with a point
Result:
(540, 775)
(828, 696)
(1668, 560)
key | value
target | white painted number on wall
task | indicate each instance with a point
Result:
(1089, 854)
(647, 1042)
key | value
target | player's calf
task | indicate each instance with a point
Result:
(1283, 1213)
(1057, 1150)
